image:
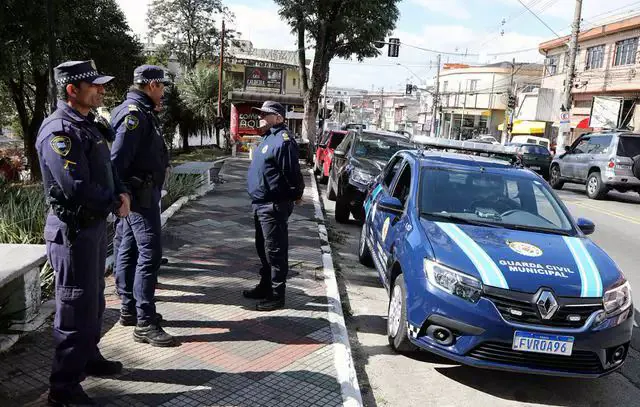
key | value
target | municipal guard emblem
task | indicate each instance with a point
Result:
(131, 122)
(285, 136)
(61, 145)
(525, 249)
(385, 228)
(264, 149)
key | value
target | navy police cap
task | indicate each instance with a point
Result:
(150, 73)
(271, 107)
(79, 71)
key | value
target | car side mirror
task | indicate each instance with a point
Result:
(586, 226)
(391, 204)
(567, 149)
(338, 153)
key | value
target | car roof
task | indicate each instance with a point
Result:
(338, 132)
(383, 133)
(462, 161)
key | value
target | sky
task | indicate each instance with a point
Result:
(475, 29)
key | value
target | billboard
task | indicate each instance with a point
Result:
(244, 120)
(259, 79)
(605, 112)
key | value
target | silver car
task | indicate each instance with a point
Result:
(601, 161)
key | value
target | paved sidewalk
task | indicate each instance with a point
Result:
(230, 354)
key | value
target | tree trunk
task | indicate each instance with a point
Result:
(184, 134)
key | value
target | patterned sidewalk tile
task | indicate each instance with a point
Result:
(229, 353)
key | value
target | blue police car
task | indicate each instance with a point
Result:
(484, 265)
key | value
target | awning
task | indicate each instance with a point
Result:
(583, 124)
(236, 96)
(526, 127)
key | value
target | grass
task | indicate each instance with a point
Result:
(198, 154)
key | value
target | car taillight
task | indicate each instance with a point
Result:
(612, 164)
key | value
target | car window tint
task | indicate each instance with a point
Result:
(403, 186)
(628, 146)
(582, 146)
(544, 143)
(336, 139)
(544, 207)
(534, 150)
(346, 143)
(599, 145)
(391, 170)
(532, 141)
(325, 137)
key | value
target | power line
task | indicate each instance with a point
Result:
(539, 19)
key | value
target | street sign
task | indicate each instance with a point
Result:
(564, 117)
(339, 107)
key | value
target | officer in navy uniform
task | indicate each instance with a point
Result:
(82, 188)
(275, 183)
(140, 155)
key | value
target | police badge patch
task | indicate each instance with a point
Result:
(61, 145)
(131, 122)
(285, 136)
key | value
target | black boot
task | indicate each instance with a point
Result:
(103, 367)
(129, 319)
(259, 292)
(153, 334)
(271, 303)
(76, 397)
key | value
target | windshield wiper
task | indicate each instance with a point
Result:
(537, 229)
(459, 219)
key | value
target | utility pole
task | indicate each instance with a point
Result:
(436, 98)
(381, 108)
(51, 51)
(508, 118)
(565, 128)
(221, 62)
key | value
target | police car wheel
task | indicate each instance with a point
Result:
(555, 179)
(595, 187)
(397, 331)
(364, 254)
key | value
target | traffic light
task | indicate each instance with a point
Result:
(409, 89)
(511, 102)
(394, 47)
(509, 127)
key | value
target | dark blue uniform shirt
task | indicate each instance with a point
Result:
(274, 174)
(139, 149)
(75, 156)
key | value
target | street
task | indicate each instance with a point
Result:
(390, 379)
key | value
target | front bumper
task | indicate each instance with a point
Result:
(483, 338)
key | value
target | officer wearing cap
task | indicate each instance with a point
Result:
(275, 182)
(82, 188)
(140, 155)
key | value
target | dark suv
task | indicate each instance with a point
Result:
(602, 161)
(356, 162)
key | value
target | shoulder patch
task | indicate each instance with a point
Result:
(133, 108)
(285, 136)
(61, 145)
(131, 122)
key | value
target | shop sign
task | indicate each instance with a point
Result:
(263, 79)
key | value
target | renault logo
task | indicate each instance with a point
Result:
(547, 304)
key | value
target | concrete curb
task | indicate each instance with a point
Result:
(343, 359)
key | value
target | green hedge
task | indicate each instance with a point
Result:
(22, 213)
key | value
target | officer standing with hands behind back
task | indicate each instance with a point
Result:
(275, 182)
(140, 155)
(82, 188)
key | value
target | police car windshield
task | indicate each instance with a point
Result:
(499, 199)
(378, 148)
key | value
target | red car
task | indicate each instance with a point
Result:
(324, 153)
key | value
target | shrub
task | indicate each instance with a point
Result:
(179, 185)
(22, 213)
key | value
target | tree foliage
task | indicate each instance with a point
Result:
(190, 28)
(83, 29)
(335, 28)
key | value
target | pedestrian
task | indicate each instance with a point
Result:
(275, 182)
(82, 188)
(141, 158)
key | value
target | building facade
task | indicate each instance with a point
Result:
(607, 66)
(473, 99)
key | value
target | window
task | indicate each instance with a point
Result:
(391, 170)
(628, 146)
(581, 147)
(551, 65)
(599, 145)
(336, 139)
(595, 57)
(294, 81)
(346, 144)
(403, 186)
(473, 85)
(626, 51)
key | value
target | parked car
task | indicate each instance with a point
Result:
(535, 157)
(487, 138)
(485, 266)
(324, 153)
(601, 161)
(356, 162)
(528, 139)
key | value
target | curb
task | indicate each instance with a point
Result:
(343, 359)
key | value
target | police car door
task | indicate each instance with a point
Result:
(394, 223)
(387, 177)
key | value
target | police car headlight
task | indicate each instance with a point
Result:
(452, 281)
(361, 177)
(617, 299)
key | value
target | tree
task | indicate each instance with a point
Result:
(190, 28)
(84, 29)
(334, 28)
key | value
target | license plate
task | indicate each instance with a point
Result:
(535, 168)
(623, 167)
(542, 343)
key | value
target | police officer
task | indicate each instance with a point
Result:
(140, 155)
(81, 188)
(275, 182)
